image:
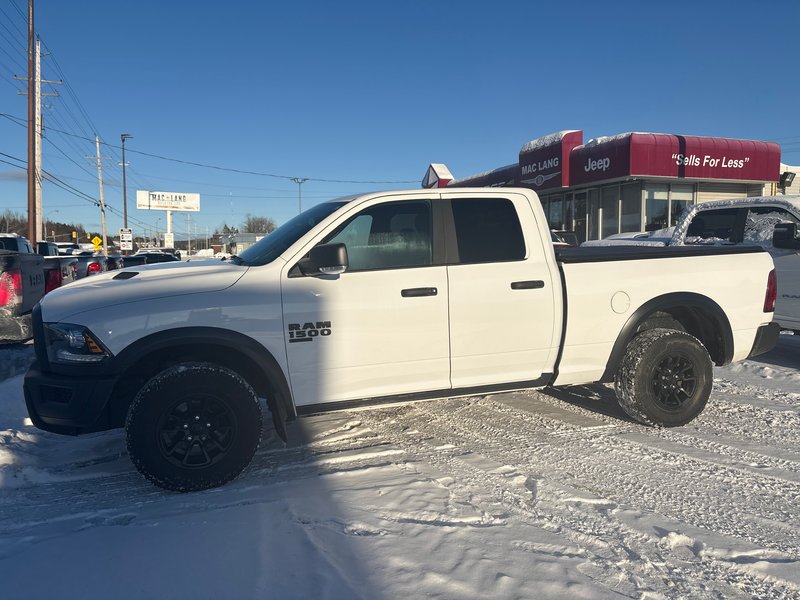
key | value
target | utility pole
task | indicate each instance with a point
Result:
(299, 181)
(38, 150)
(189, 234)
(102, 202)
(32, 215)
(123, 137)
(38, 135)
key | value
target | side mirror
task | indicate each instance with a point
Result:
(327, 259)
(785, 236)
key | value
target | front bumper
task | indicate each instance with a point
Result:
(766, 339)
(67, 405)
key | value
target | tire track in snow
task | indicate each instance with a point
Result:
(587, 521)
(689, 488)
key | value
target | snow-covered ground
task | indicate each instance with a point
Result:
(551, 494)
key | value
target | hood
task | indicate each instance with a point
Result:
(135, 284)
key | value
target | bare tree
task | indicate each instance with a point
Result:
(258, 224)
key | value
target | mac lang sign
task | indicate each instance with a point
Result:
(177, 201)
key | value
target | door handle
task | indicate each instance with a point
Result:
(527, 285)
(417, 292)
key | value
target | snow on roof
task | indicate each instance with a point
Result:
(604, 139)
(484, 174)
(547, 140)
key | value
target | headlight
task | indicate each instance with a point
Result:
(73, 344)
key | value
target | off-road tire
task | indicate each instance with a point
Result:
(193, 426)
(664, 378)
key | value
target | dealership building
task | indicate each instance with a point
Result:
(631, 181)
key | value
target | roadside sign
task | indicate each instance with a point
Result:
(169, 240)
(177, 201)
(125, 238)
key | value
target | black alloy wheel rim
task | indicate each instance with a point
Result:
(674, 381)
(197, 432)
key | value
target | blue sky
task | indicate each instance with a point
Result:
(372, 91)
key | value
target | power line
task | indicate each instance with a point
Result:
(19, 10)
(227, 169)
(51, 178)
(20, 27)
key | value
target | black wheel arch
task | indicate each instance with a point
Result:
(699, 316)
(151, 354)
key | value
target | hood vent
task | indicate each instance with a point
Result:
(125, 274)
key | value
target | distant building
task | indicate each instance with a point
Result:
(235, 243)
(631, 181)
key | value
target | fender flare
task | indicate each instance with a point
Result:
(713, 311)
(280, 403)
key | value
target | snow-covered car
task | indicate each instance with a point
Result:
(385, 297)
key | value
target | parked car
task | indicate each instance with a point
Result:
(148, 258)
(59, 269)
(115, 262)
(386, 297)
(90, 263)
(67, 247)
(25, 276)
(21, 287)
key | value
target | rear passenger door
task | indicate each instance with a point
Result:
(502, 293)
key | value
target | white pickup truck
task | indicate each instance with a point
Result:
(768, 221)
(385, 297)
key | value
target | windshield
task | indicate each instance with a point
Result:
(276, 243)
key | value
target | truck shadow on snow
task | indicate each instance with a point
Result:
(786, 353)
(596, 398)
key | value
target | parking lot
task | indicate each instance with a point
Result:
(502, 496)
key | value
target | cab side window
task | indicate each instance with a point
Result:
(487, 230)
(715, 226)
(387, 236)
(761, 221)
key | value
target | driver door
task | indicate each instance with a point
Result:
(381, 328)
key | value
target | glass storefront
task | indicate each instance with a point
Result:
(598, 212)
(656, 206)
(610, 208)
(680, 196)
(631, 212)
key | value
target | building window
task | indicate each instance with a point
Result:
(580, 216)
(569, 212)
(556, 212)
(610, 205)
(656, 206)
(631, 207)
(680, 196)
(593, 215)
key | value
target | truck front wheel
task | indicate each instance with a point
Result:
(664, 378)
(193, 426)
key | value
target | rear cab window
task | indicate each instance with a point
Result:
(487, 230)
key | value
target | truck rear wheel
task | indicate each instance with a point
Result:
(193, 426)
(664, 378)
